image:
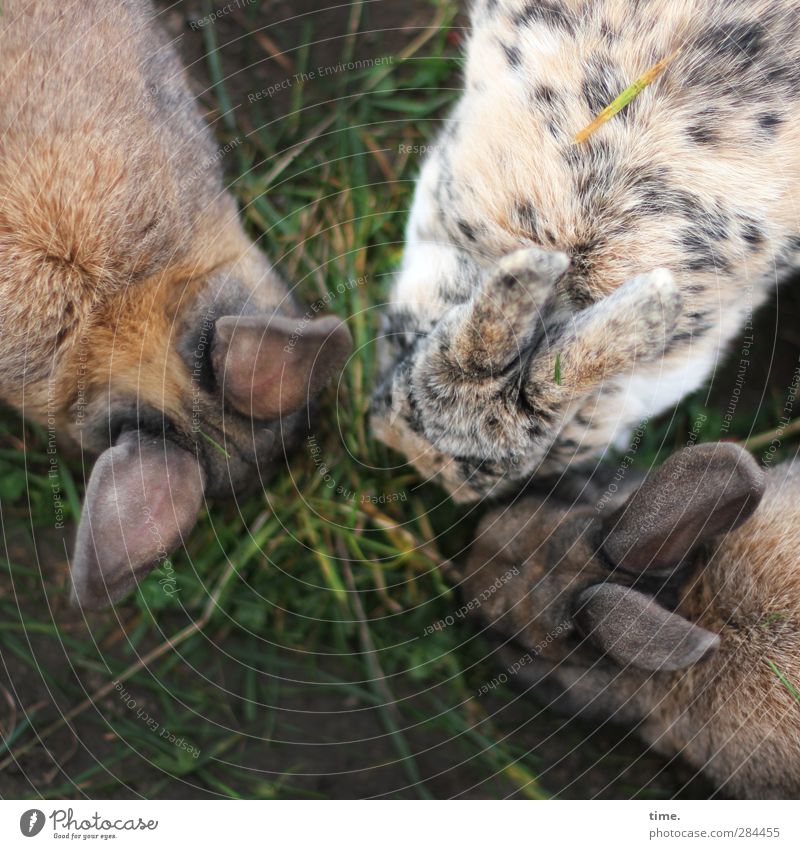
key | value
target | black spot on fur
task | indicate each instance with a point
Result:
(753, 234)
(549, 12)
(572, 156)
(547, 96)
(534, 426)
(697, 244)
(581, 252)
(513, 55)
(702, 133)
(743, 39)
(547, 103)
(741, 60)
(594, 167)
(769, 122)
(698, 319)
(467, 230)
(659, 195)
(704, 254)
(528, 219)
(579, 275)
(508, 281)
(715, 225)
(602, 84)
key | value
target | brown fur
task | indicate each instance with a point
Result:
(120, 248)
(729, 715)
(100, 230)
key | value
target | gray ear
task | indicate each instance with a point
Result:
(490, 331)
(697, 494)
(635, 630)
(143, 497)
(269, 367)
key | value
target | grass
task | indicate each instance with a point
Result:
(790, 687)
(292, 659)
(625, 98)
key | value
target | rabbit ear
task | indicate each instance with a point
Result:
(635, 630)
(143, 497)
(697, 494)
(485, 335)
(269, 367)
(607, 340)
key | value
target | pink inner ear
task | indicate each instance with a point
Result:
(270, 367)
(156, 512)
(256, 380)
(143, 497)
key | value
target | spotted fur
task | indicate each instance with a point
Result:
(697, 176)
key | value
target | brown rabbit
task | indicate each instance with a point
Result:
(138, 318)
(680, 609)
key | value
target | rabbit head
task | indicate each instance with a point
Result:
(605, 591)
(678, 611)
(478, 400)
(184, 397)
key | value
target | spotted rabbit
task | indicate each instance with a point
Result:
(553, 294)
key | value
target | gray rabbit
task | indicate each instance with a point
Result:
(678, 609)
